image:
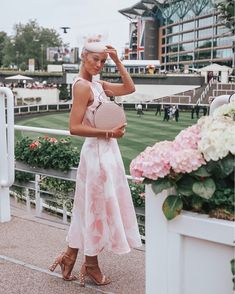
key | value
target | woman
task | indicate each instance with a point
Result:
(103, 214)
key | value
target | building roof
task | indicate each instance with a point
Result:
(142, 63)
(140, 8)
(216, 67)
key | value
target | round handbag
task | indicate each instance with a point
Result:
(109, 115)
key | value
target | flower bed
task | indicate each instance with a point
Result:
(56, 158)
(46, 152)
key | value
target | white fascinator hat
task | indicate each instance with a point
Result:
(95, 44)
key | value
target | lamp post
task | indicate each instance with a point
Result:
(233, 60)
(17, 59)
(42, 57)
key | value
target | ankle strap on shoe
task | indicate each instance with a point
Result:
(67, 256)
(91, 264)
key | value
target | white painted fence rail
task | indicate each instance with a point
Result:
(7, 151)
(188, 255)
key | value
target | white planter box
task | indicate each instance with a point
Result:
(71, 174)
(188, 255)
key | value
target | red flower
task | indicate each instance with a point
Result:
(142, 195)
(34, 145)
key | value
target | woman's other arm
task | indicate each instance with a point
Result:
(127, 86)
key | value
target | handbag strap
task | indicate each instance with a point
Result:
(229, 98)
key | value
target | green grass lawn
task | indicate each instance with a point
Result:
(140, 132)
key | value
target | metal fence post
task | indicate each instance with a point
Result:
(38, 200)
(27, 199)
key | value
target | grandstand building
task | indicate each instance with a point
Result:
(181, 34)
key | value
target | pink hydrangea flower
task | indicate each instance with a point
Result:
(186, 160)
(212, 138)
(188, 138)
(153, 162)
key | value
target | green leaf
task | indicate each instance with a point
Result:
(227, 164)
(233, 266)
(147, 181)
(201, 172)
(185, 184)
(161, 184)
(197, 203)
(204, 189)
(172, 206)
(221, 168)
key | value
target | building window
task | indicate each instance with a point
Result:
(220, 30)
(204, 22)
(187, 47)
(206, 54)
(173, 58)
(205, 33)
(173, 48)
(226, 41)
(188, 26)
(225, 53)
(203, 44)
(186, 57)
(173, 39)
(188, 36)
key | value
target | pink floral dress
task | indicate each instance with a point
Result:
(103, 216)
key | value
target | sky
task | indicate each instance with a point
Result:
(85, 17)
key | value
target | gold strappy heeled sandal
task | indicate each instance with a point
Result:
(64, 261)
(86, 270)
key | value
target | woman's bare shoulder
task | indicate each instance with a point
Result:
(82, 85)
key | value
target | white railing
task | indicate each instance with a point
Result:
(34, 108)
(175, 99)
(223, 89)
(205, 92)
(42, 130)
(39, 174)
(218, 92)
(7, 151)
(39, 108)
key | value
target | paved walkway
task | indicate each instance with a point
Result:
(29, 244)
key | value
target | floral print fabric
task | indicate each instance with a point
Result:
(103, 214)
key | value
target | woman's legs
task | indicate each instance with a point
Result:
(91, 268)
(72, 252)
(69, 259)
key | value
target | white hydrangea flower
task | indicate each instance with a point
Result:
(217, 135)
(225, 110)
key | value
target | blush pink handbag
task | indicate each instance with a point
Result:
(109, 115)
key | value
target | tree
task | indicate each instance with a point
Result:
(3, 38)
(227, 13)
(64, 94)
(29, 41)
